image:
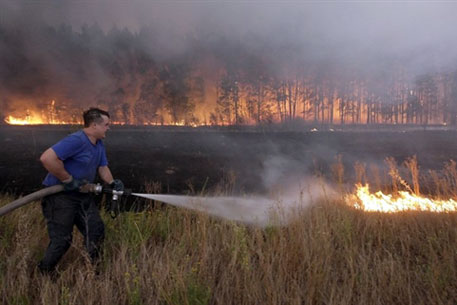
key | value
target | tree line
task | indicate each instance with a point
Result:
(212, 80)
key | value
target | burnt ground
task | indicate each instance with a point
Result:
(185, 158)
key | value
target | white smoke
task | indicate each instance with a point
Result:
(362, 33)
(256, 210)
(290, 191)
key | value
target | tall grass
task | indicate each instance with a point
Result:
(328, 254)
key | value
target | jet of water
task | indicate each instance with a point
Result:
(251, 210)
(257, 210)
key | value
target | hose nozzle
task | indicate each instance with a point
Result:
(91, 188)
(115, 195)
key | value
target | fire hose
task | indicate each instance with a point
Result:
(251, 210)
(87, 188)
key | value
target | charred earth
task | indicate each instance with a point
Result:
(190, 159)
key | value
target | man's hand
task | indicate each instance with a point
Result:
(117, 185)
(72, 184)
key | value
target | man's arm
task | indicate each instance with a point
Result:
(54, 165)
(105, 174)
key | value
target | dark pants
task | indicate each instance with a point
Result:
(62, 211)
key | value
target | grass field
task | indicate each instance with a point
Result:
(329, 253)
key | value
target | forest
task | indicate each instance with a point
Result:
(56, 71)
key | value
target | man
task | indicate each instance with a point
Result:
(74, 161)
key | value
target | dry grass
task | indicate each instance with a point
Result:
(329, 254)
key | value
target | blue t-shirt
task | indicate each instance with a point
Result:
(80, 157)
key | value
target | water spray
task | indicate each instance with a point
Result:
(233, 208)
(256, 210)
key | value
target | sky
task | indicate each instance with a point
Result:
(369, 34)
(386, 27)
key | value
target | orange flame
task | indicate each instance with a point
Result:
(35, 116)
(22, 121)
(36, 120)
(50, 115)
(404, 201)
(32, 118)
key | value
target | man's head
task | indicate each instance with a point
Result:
(94, 115)
(96, 122)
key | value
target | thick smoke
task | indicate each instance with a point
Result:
(329, 29)
(123, 54)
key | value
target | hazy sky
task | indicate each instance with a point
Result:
(421, 32)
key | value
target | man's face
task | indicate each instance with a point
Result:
(101, 127)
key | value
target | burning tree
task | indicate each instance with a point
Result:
(127, 72)
(175, 82)
(229, 99)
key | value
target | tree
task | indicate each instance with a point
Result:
(228, 99)
(174, 78)
(452, 99)
(427, 93)
(413, 108)
(257, 104)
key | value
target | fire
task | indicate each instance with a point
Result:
(30, 119)
(33, 118)
(404, 201)
(23, 121)
(51, 115)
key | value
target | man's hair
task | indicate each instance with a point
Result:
(93, 115)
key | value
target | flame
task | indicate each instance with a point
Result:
(362, 199)
(23, 121)
(33, 118)
(36, 120)
(51, 116)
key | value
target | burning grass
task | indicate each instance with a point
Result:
(329, 253)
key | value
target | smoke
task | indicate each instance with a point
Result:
(374, 26)
(334, 30)
(257, 210)
(99, 52)
(286, 184)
